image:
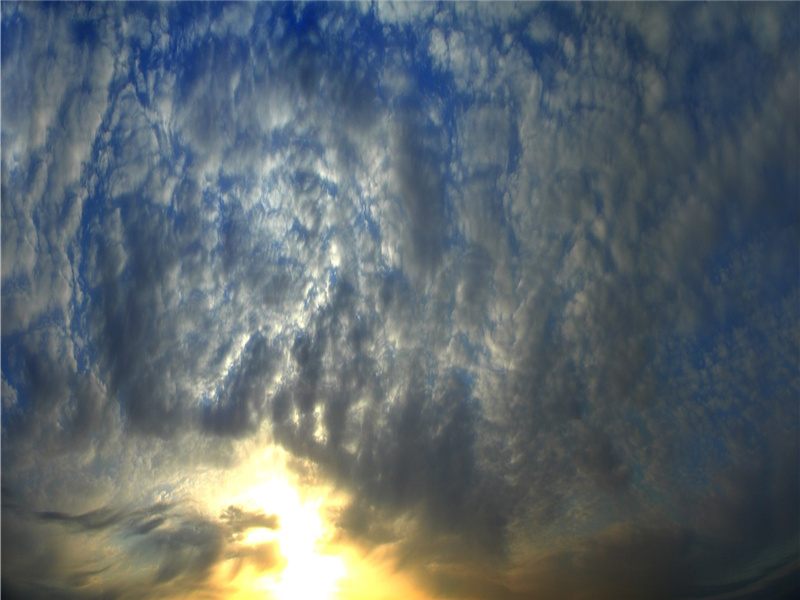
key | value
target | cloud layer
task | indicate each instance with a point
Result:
(521, 281)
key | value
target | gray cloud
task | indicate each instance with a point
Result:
(179, 547)
(241, 402)
(137, 521)
(240, 520)
(419, 183)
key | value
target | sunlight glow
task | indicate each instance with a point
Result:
(309, 572)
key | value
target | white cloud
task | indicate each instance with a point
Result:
(236, 19)
(540, 30)
(404, 13)
(62, 122)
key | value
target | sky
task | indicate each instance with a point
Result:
(369, 301)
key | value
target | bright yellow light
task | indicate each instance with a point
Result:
(309, 574)
(321, 562)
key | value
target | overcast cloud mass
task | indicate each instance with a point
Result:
(518, 284)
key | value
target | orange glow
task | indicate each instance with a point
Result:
(374, 577)
(312, 561)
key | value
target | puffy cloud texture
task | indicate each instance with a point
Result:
(520, 282)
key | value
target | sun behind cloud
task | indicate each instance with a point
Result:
(309, 573)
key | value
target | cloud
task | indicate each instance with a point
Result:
(43, 152)
(188, 551)
(240, 520)
(178, 547)
(403, 13)
(418, 181)
(514, 281)
(239, 406)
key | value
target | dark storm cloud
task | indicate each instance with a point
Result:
(519, 280)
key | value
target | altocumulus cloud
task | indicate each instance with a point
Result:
(520, 280)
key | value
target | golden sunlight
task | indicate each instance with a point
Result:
(309, 572)
(317, 561)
